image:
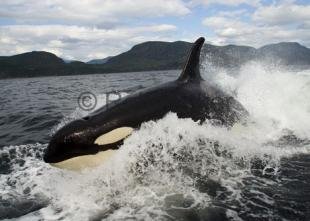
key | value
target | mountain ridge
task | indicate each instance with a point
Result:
(150, 56)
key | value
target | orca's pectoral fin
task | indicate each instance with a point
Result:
(191, 69)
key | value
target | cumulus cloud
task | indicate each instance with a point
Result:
(286, 21)
(84, 29)
(283, 14)
(76, 42)
(102, 12)
(88, 29)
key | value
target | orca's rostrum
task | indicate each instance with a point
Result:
(88, 141)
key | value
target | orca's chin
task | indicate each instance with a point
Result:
(58, 153)
(79, 163)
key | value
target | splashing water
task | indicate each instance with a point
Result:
(175, 169)
(271, 95)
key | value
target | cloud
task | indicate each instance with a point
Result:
(225, 2)
(234, 31)
(95, 12)
(234, 13)
(88, 29)
(76, 42)
(283, 14)
(285, 21)
(84, 29)
(217, 22)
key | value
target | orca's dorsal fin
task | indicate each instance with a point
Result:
(191, 68)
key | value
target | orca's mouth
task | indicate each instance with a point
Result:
(55, 154)
(90, 157)
(62, 153)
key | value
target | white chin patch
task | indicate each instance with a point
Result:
(114, 135)
(85, 161)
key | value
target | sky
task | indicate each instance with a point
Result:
(92, 29)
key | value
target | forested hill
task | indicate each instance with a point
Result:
(153, 55)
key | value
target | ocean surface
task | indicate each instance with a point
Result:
(171, 169)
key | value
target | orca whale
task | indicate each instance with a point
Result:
(90, 140)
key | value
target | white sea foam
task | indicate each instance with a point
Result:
(276, 99)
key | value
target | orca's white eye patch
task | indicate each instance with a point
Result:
(114, 135)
